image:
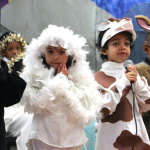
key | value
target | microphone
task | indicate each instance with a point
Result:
(126, 64)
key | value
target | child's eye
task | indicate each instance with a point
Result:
(62, 52)
(18, 48)
(50, 51)
(10, 49)
(127, 44)
(115, 44)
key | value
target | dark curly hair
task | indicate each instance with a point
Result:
(4, 35)
(105, 47)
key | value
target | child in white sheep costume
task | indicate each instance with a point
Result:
(61, 96)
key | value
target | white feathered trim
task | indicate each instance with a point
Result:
(46, 93)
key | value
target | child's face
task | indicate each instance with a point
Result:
(12, 50)
(146, 49)
(118, 48)
(55, 56)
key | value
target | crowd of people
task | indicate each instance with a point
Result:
(52, 100)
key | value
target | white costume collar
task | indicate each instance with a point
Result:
(113, 69)
(5, 59)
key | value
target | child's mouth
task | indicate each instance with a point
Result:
(122, 53)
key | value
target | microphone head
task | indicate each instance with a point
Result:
(128, 63)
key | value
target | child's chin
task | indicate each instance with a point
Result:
(54, 67)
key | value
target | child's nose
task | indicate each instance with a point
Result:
(15, 51)
(122, 47)
(56, 56)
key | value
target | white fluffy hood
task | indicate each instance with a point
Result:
(56, 36)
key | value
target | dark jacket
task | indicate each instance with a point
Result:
(11, 90)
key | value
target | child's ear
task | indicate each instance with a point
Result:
(104, 52)
(145, 49)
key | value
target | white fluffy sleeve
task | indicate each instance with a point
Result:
(49, 95)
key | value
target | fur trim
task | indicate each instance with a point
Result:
(144, 70)
(46, 93)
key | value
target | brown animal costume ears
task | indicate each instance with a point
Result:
(144, 23)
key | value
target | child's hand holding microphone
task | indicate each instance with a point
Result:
(132, 74)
